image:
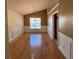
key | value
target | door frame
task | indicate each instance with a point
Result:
(56, 12)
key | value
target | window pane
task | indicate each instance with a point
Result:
(32, 25)
(38, 25)
(38, 20)
(32, 20)
(35, 23)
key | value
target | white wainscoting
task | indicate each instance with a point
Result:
(50, 26)
(65, 45)
(14, 33)
(43, 29)
(50, 32)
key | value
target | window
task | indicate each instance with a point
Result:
(35, 23)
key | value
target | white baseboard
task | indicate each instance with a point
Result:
(43, 29)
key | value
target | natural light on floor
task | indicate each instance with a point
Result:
(35, 40)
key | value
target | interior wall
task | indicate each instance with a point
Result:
(66, 17)
(15, 24)
(51, 26)
(66, 28)
(65, 45)
(43, 15)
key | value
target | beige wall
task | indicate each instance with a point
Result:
(66, 17)
(41, 14)
(15, 24)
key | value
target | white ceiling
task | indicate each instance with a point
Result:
(29, 6)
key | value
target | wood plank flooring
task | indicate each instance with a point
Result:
(34, 46)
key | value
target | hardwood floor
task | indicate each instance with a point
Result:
(34, 46)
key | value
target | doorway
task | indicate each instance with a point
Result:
(55, 25)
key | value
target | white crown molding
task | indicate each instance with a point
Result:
(53, 8)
